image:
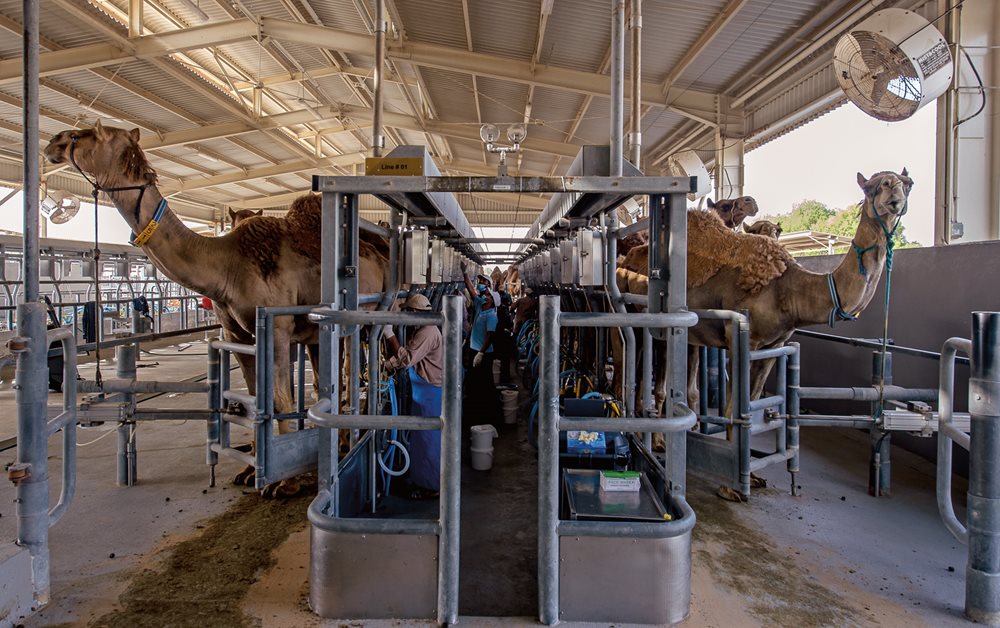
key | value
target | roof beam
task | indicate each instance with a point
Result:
(686, 102)
(721, 20)
(263, 172)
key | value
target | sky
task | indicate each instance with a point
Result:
(820, 161)
(816, 162)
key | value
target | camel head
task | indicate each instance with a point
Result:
(885, 196)
(243, 215)
(764, 228)
(733, 211)
(110, 155)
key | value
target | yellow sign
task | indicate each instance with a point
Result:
(394, 166)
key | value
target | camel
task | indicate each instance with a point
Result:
(242, 215)
(733, 271)
(765, 228)
(733, 211)
(266, 262)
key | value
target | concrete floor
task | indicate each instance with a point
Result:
(832, 556)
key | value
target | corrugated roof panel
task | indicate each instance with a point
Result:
(342, 14)
(578, 35)
(64, 28)
(509, 29)
(758, 27)
(669, 29)
(595, 127)
(555, 110)
(451, 94)
(501, 102)
(162, 84)
(441, 22)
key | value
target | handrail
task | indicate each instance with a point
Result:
(874, 344)
(947, 433)
(66, 421)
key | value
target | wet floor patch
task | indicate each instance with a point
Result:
(202, 581)
(778, 591)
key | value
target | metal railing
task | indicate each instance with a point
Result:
(551, 423)
(982, 530)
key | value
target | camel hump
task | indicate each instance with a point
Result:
(713, 247)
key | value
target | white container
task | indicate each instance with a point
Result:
(482, 436)
(509, 405)
(482, 459)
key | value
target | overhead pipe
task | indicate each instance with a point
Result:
(378, 139)
(617, 86)
(635, 136)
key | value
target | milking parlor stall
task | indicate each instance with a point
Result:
(459, 312)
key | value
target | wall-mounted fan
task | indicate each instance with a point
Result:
(59, 206)
(687, 164)
(892, 64)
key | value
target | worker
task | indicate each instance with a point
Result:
(482, 401)
(524, 309)
(423, 358)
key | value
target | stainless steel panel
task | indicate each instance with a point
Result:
(590, 247)
(416, 245)
(570, 262)
(438, 249)
(714, 457)
(545, 266)
(624, 580)
(373, 576)
(555, 266)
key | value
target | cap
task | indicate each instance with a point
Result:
(417, 302)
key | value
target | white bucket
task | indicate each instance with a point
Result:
(482, 459)
(509, 405)
(482, 436)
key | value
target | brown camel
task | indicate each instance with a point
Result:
(733, 271)
(765, 228)
(266, 262)
(238, 216)
(733, 211)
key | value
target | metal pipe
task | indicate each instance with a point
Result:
(982, 575)
(117, 342)
(826, 420)
(606, 320)
(683, 419)
(378, 140)
(236, 454)
(742, 405)
(635, 136)
(648, 400)
(874, 344)
(548, 462)
(375, 334)
(946, 402)
(319, 415)
(774, 401)
(628, 319)
(792, 394)
(617, 86)
(66, 421)
(767, 354)
(125, 370)
(451, 461)
(132, 386)
(32, 369)
(367, 317)
(233, 347)
(759, 463)
(869, 393)
(320, 518)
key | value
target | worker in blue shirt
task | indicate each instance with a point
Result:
(482, 398)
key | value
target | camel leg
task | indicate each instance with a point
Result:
(662, 375)
(693, 360)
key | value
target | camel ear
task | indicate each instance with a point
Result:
(259, 212)
(862, 181)
(744, 225)
(134, 134)
(779, 229)
(711, 204)
(232, 214)
(99, 131)
(904, 173)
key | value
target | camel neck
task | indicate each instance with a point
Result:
(192, 260)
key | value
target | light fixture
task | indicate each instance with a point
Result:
(516, 133)
(489, 133)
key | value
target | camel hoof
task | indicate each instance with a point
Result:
(731, 495)
(282, 490)
(659, 443)
(757, 482)
(245, 477)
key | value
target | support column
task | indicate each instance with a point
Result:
(982, 575)
(729, 151)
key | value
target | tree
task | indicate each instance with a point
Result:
(811, 215)
(805, 215)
